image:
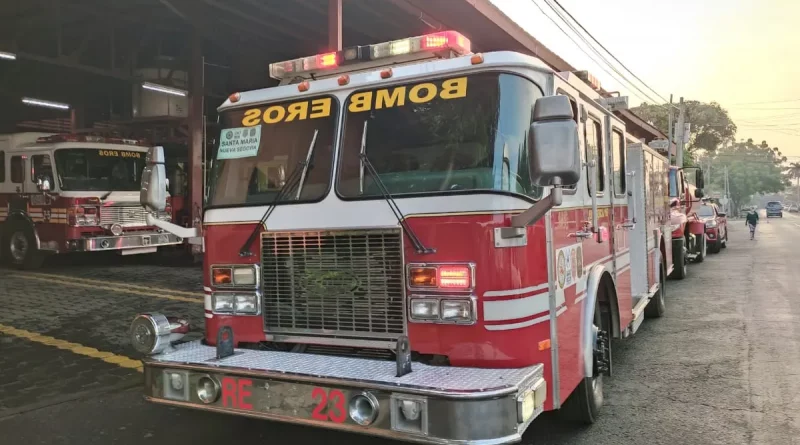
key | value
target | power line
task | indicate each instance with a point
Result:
(763, 103)
(609, 52)
(590, 46)
(578, 45)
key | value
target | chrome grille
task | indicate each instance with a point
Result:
(126, 216)
(336, 283)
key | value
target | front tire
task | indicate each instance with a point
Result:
(584, 404)
(19, 247)
(702, 250)
(715, 246)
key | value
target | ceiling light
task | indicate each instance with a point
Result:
(44, 103)
(7, 55)
(164, 89)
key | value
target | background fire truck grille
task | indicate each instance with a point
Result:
(126, 216)
(338, 283)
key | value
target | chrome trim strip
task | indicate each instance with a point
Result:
(389, 434)
(553, 311)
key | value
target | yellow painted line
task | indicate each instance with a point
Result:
(76, 348)
(117, 284)
(110, 288)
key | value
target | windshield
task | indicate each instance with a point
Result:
(260, 147)
(705, 211)
(442, 136)
(93, 169)
(774, 204)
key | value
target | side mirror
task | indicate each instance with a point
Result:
(699, 181)
(698, 193)
(153, 194)
(555, 157)
(43, 183)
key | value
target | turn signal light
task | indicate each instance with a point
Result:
(422, 276)
(221, 276)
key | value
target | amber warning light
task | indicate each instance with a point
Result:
(455, 277)
(427, 45)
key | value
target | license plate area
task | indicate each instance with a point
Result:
(324, 404)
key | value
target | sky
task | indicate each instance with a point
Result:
(744, 54)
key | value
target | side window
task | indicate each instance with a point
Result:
(2, 166)
(41, 166)
(594, 150)
(17, 169)
(618, 154)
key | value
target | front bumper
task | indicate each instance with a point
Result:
(774, 213)
(123, 242)
(458, 405)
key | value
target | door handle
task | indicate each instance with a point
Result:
(581, 234)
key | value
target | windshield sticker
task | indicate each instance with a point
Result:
(398, 96)
(235, 143)
(309, 109)
(120, 154)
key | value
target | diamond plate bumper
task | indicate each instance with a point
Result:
(458, 405)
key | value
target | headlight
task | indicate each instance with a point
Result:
(236, 303)
(457, 310)
(246, 304)
(424, 309)
(230, 276)
(711, 224)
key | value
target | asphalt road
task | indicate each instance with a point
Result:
(723, 367)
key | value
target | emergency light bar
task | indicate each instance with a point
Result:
(412, 48)
(88, 138)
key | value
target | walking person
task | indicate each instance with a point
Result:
(752, 221)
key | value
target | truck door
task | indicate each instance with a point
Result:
(620, 244)
(40, 203)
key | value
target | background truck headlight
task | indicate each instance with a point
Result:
(711, 224)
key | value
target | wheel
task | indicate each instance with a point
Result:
(702, 250)
(658, 305)
(583, 405)
(680, 267)
(725, 241)
(19, 247)
(715, 246)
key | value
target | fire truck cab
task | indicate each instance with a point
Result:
(73, 193)
(688, 230)
(412, 241)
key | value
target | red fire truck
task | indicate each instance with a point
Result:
(412, 241)
(688, 230)
(73, 193)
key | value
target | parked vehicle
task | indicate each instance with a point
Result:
(63, 193)
(716, 226)
(794, 208)
(774, 208)
(688, 232)
(347, 288)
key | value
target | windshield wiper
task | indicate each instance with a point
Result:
(298, 176)
(415, 241)
(106, 195)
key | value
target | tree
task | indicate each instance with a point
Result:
(752, 168)
(711, 126)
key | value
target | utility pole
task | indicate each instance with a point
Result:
(669, 132)
(679, 129)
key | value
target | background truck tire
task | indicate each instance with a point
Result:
(715, 247)
(658, 305)
(19, 247)
(725, 241)
(702, 250)
(583, 405)
(679, 263)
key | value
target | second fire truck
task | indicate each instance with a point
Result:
(412, 241)
(62, 193)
